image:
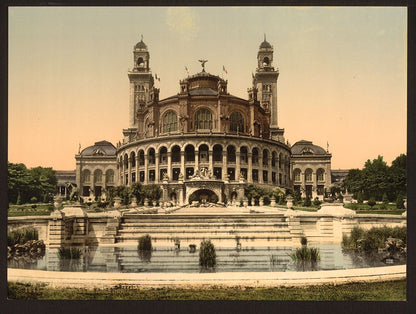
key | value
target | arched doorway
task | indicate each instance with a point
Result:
(203, 196)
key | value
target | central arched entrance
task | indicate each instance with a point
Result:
(203, 196)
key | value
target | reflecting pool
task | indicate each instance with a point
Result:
(126, 258)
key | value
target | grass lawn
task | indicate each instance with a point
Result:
(380, 291)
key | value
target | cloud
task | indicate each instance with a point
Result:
(183, 21)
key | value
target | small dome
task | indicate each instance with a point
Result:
(102, 148)
(307, 148)
(265, 44)
(140, 45)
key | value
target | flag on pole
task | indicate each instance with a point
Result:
(186, 69)
(158, 78)
(224, 69)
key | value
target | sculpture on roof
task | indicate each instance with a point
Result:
(203, 64)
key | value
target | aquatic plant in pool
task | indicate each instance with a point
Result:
(207, 254)
(69, 253)
(145, 243)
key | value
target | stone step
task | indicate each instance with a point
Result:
(202, 225)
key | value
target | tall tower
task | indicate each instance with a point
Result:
(141, 83)
(265, 81)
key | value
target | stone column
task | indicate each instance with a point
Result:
(137, 168)
(129, 165)
(237, 165)
(250, 168)
(104, 181)
(211, 162)
(196, 161)
(260, 168)
(183, 164)
(302, 185)
(157, 168)
(269, 172)
(224, 165)
(170, 165)
(146, 169)
(314, 186)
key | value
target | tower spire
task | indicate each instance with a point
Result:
(264, 36)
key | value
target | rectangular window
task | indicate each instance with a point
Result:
(152, 175)
(255, 175)
(189, 172)
(244, 172)
(133, 177)
(274, 177)
(175, 174)
(265, 176)
(141, 176)
(231, 173)
(161, 173)
(218, 173)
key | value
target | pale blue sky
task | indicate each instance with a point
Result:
(342, 72)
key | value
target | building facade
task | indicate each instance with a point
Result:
(202, 143)
(311, 169)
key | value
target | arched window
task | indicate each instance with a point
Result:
(203, 120)
(151, 156)
(308, 175)
(109, 176)
(236, 122)
(217, 152)
(296, 174)
(98, 176)
(320, 174)
(85, 177)
(230, 153)
(126, 161)
(170, 122)
(176, 154)
(133, 159)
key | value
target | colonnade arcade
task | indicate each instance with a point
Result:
(256, 164)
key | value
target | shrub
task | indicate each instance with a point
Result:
(307, 201)
(373, 239)
(400, 202)
(145, 243)
(316, 202)
(207, 255)
(33, 199)
(371, 202)
(21, 236)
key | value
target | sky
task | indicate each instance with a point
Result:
(342, 81)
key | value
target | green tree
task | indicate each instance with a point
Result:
(353, 182)
(43, 183)
(400, 201)
(121, 191)
(136, 190)
(398, 177)
(19, 180)
(360, 198)
(375, 178)
(152, 191)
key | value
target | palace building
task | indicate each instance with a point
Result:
(203, 143)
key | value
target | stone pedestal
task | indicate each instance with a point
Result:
(133, 202)
(289, 202)
(273, 202)
(117, 201)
